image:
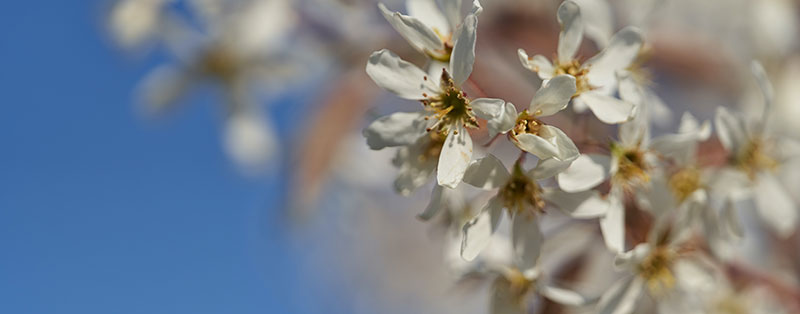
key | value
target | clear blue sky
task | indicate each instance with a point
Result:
(102, 211)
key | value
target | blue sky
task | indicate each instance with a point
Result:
(103, 211)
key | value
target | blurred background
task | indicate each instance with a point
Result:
(205, 156)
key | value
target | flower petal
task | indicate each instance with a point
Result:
(622, 49)
(607, 108)
(536, 145)
(764, 85)
(621, 297)
(527, 241)
(399, 77)
(416, 33)
(566, 148)
(435, 204)
(249, 140)
(597, 18)
(730, 130)
(397, 129)
(413, 171)
(428, 13)
(586, 172)
(499, 114)
(585, 204)
(478, 231)
(612, 224)
(553, 96)
(455, 158)
(486, 173)
(463, 56)
(539, 64)
(563, 296)
(452, 11)
(775, 206)
(546, 168)
(569, 39)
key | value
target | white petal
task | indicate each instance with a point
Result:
(566, 148)
(730, 130)
(397, 129)
(569, 39)
(486, 173)
(539, 64)
(607, 108)
(249, 140)
(476, 9)
(546, 168)
(586, 204)
(455, 157)
(435, 204)
(775, 206)
(418, 35)
(586, 172)
(612, 224)
(764, 84)
(478, 231)
(134, 22)
(622, 49)
(413, 171)
(500, 115)
(163, 87)
(463, 55)
(399, 77)
(597, 18)
(553, 96)
(452, 11)
(428, 12)
(527, 240)
(563, 296)
(621, 297)
(536, 145)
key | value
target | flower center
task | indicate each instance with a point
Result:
(575, 69)
(450, 108)
(684, 182)
(752, 159)
(520, 193)
(218, 62)
(526, 123)
(632, 168)
(655, 269)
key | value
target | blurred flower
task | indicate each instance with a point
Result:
(755, 156)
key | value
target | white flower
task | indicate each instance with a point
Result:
(527, 131)
(628, 170)
(428, 29)
(236, 48)
(520, 194)
(446, 109)
(756, 156)
(595, 78)
(664, 269)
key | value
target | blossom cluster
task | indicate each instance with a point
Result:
(668, 213)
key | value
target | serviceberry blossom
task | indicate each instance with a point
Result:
(596, 78)
(755, 156)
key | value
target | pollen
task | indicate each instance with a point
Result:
(632, 168)
(219, 63)
(526, 123)
(753, 159)
(578, 71)
(655, 269)
(521, 194)
(450, 108)
(684, 182)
